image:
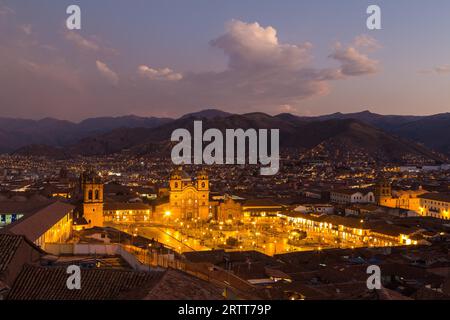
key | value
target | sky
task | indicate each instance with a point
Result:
(171, 57)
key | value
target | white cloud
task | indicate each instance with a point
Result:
(249, 45)
(262, 73)
(159, 74)
(353, 62)
(81, 42)
(287, 108)
(107, 73)
(366, 41)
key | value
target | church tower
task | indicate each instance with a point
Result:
(92, 188)
(175, 193)
(203, 194)
(175, 182)
(383, 191)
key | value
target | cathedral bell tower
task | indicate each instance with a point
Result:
(202, 184)
(202, 181)
(383, 191)
(92, 188)
(175, 182)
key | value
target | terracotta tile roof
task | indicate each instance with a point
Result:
(262, 203)
(8, 246)
(443, 197)
(41, 283)
(176, 285)
(49, 283)
(21, 207)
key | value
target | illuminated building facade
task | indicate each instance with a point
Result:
(346, 196)
(261, 208)
(435, 205)
(92, 189)
(402, 199)
(354, 230)
(51, 223)
(228, 209)
(188, 198)
(126, 213)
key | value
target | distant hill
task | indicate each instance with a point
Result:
(207, 114)
(391, 137)
(432, 131)
(385, 122)
(110, 123)
(18, 133)
(344, 134)
(42, 150)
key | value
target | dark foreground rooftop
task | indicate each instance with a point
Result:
(44, 283)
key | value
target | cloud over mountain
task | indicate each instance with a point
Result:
(262, 73)
(159, 74)
(107, 73)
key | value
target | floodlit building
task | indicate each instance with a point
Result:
(92, 189)
(228, 209)
(119, 212)
(435, 205)
(261, 208)
(188, 198)
(345, 196)
(49, 224)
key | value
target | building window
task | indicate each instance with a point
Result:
(203, 184)
(90, 195)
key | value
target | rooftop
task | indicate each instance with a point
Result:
(443, 196)
(38, 222)
(44, 283)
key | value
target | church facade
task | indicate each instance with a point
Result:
(188, 197)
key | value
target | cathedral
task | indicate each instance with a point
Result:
(188, 198)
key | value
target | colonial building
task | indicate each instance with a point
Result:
(261, 208)
(354, 230)
(188, 198)
(435, 205)
(401, 199)
(228, 209)
(346, 196)
(118, 212)
(404, 199)
(50, 223)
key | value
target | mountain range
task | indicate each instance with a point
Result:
(391, 137)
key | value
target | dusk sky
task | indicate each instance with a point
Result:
(167, 57)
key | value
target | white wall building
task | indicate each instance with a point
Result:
(435, 205)
(352, 196)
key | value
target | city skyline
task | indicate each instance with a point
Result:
(246, 152)
(181, 58)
